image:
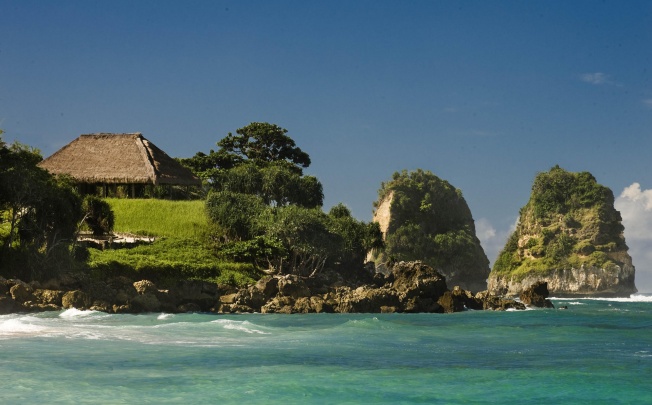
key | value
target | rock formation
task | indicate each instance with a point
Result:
(409, 287)
(569, 235)
(425, 218)
(536, 295)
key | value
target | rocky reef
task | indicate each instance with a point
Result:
(569, 235)
(423, 217)
(408, 287)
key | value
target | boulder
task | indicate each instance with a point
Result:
(293, 286)
(49, 297)
(536, 296)
(21, 292)
(75, 299)
(145, 287)
(418, 279)
(366, 299)
(9, 306)
(451, 302)
(147, 302)
(268, 286)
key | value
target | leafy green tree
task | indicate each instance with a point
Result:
(260, 159)
(43, 212)
(262, 143)
(305, 235)
(21, 183)
(356, 238)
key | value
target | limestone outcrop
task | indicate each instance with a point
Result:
(570, 236)
(423, 217)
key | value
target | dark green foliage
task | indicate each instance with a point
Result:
(305, 235)
(98, 215)
(431, 221)
(558, 191)
(259, 160)
(235, 213)
(262, 143)
(42, 213)
(355, 238)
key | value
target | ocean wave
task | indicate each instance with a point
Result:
(631, 298)
(19, 327)
(165, 316)
(243, 326)
(74, 313)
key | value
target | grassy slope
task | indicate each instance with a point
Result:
(175, 219)
(180, 252)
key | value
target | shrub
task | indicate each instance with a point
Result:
(98, 215)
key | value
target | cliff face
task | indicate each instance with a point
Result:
(570, 235)
(425, 218)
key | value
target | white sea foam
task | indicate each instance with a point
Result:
(631, 298)
(244, 326)
(77, 313)
(165, 316)
(19, 326)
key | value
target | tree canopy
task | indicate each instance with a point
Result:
(260, 160)
(262, 143)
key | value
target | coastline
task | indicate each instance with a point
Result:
(411, 287)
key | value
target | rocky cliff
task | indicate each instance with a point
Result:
(425, 218)
(569, 235)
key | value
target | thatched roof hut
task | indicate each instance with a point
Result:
(118, 159)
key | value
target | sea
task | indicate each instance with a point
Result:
(597, 351)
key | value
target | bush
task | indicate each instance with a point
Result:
(235, 213)
(98, 215)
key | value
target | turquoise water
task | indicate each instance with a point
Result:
(596, 351)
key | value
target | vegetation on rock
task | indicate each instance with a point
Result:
(430, 221)
(569, 222)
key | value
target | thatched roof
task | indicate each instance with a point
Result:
(117, 159)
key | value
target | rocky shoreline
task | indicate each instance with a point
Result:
(410, 287)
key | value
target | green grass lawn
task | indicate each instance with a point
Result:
(151, 217)
(181, 249)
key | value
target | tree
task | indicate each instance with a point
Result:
(305, 235)
(259, 160)
(356, 238)
(43, 211)
(262, 143)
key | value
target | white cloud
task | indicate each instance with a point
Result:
(484, 230)
(491, 239)
(635, 206)
(595, 78)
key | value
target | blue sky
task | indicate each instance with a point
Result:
(484, 94)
